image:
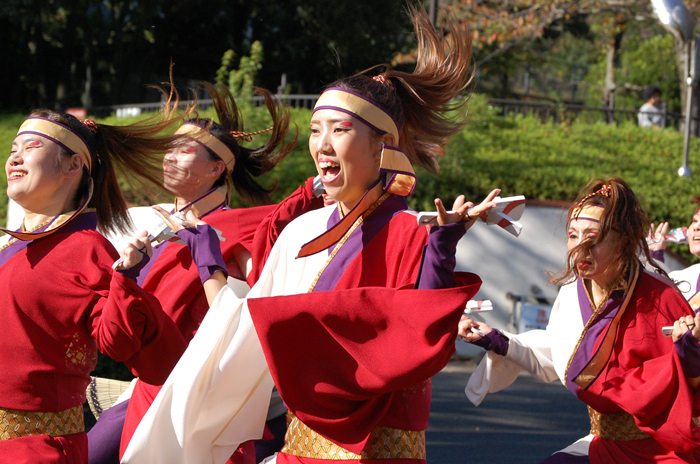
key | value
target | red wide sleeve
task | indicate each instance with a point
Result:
(337, 357)
(239, 225)
(129, 326)
(644, 376)
(296, 204)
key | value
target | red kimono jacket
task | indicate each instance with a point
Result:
(642, 376)
(61, 303)
(357, 353)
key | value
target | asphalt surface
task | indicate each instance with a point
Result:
(525, 423)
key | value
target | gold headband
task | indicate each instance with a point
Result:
(210, 141)
(359, 107)
(59, 134)
(588, 212)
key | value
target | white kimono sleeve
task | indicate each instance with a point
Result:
(542, 353)
(529, 351)
(216, 397)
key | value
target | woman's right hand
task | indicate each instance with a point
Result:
(465, 326)
(463, 211)
(189, 221)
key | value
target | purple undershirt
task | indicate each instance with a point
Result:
(493, 341)
(657, 255)
(437, 268)
(203, 243)
(438, 271)
(134, 271)
(688, 350)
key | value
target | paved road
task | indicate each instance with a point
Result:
(524, 423)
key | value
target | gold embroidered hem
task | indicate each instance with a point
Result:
(616, 427)
(16, 424)
(384, 443)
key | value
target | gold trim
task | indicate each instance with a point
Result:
(598, 362)
(60, 133)
(16, 424)
(205, 137)
(590, 212)
(383, 443)
(396, 162)
(362, 108)
(616, 427)
(206, 204)
(14, 239)
(694, 301)
(345, 238)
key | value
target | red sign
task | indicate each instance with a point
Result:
(80, 113)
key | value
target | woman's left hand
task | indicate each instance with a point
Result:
(657, 238)
(134, 251)
(465, 211)
(684, 324)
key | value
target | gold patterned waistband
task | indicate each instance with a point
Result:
(16, 424)
(616, 427)
(383, 443)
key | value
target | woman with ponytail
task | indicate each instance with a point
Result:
(62, 301)
(604, 340)
(338, 315)
(204, 165)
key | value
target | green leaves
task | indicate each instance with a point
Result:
(240, 81)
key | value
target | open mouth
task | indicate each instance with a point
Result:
(16, 175)
(329, 171)
(583, 265)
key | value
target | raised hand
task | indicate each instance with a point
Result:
(178, 221)
(134, 251)
(465, 211)
(657, 238)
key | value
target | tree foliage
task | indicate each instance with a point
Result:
(66, 53)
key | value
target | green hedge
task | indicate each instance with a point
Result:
(520, 155)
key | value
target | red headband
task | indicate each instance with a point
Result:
(381, 78)
(90, 124)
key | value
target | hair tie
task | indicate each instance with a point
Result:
(94, 129)
(604, 191)
(90, 124)
(381, 78)
(248, 136)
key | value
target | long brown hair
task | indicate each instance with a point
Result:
(250, 162)
(623, 218)
(135, 150)
(426, 104)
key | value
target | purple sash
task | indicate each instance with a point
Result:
(589, 360)
(360, 237)
(82, 221)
